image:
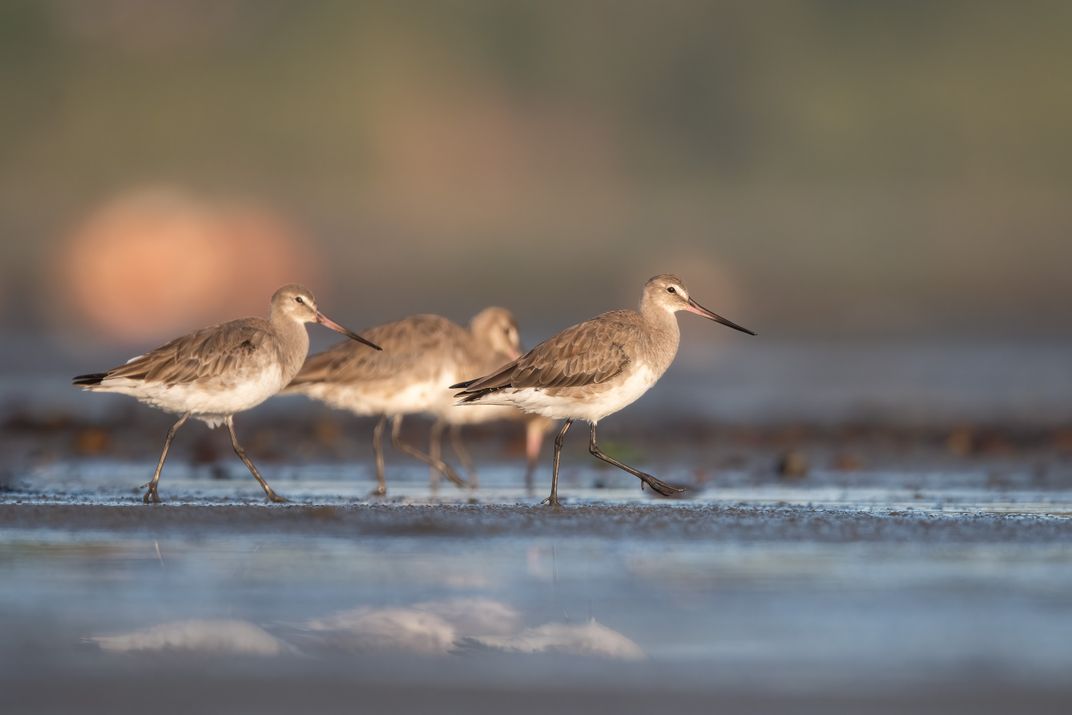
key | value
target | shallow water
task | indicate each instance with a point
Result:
(904, 589)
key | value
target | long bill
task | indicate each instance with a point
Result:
(695, 307)
(329, 323)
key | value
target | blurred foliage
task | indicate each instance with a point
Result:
(844, 167)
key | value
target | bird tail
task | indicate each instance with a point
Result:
(90, 380)
(473, 390)
(466, 397)
(469, 391)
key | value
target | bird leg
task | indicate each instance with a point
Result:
(272, 496)
(658, 485)
(151, 495)
(445, 469)
(377, 449)
(533, 441)
(458, 447)
(435, 451)
(553, 499)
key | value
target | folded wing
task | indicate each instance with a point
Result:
(588, 353)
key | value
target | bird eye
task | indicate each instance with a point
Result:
(671, 289)
(299, 299)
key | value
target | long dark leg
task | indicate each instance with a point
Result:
(272, 496)
(458, 447)
(435, 451)
(445, 469)
(660, 486)
(377, 449)
(559, 440)
(151, 495)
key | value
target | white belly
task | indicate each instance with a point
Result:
(211, 401)
(590, 403)
(384, 398)
(477, 414)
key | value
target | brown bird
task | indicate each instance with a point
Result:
(595, 368)
(423, 355)
(216, 372)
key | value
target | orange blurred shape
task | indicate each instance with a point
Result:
(92, 442)
(153, 262)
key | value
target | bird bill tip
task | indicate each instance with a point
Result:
(329, 323)
(694, 307)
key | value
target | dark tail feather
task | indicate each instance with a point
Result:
(89, 380)
(480, 386)
(466, 396)
(470, 394)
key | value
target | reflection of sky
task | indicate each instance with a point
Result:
(858, 616)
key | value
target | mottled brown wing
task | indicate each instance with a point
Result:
(229, 348)
(407, 346)
(588, 353)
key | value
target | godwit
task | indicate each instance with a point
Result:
(423, 354)
(214, 373)
(595, 368)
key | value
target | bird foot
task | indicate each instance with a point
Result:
(552, 501)
(453, 476)
(657, 485)
(380, 491)
(276, 499)
(151, 496)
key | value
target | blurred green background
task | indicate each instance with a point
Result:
(821, 168)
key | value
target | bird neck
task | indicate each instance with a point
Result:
(484, 352)
(293, 342)
(662, 335)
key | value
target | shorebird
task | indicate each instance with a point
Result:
(595, 368)
(216, 372)
(423, 354)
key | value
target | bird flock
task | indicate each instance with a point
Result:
(422, 364)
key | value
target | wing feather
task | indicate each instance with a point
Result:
(407, 345)
(228, 348)
(588, 353)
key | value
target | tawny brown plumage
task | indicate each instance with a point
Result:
(595, 368)
(423, 355)
(590, 353)
(216, 372)
(222, 355)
